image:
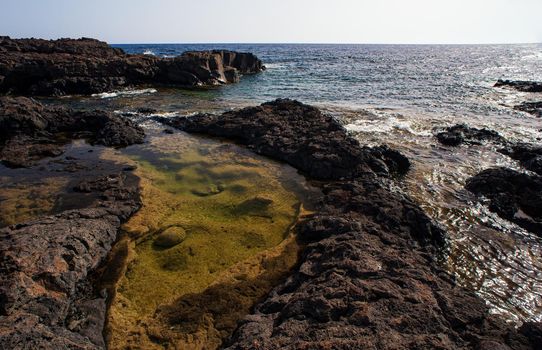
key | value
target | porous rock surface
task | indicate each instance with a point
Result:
(46, 296)
(513, 195)
(368, 277)
(30, 131)
(87, 66)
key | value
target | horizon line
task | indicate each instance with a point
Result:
(284, 43)
(315, 43)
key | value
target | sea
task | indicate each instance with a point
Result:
(401, 95)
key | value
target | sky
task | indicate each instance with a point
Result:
(277, 21)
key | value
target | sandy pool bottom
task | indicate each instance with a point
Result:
(212, 238)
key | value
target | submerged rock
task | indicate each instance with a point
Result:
(88, 66)
(170, 237)
(534, 108)
(520, 85)
(300, 135)
(512, 195)
(464, 134)
(47, 298)
(30, 131)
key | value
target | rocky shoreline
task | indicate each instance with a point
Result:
(48, 300)
(87, 66)
(368, 276)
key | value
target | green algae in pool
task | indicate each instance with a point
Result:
(226, 205)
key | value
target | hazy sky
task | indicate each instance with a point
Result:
(277, 21)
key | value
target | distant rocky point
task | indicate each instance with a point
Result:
(520, 85)
(87, 66)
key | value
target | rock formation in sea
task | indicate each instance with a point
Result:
(30, 131)
(520, 85)
(87, 66)
(528, 155)
(464, 134)
(47, 299)
(534, 108)
(369, 276)
(513, 195)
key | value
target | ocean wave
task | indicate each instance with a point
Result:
(149, 52)
(113, 94)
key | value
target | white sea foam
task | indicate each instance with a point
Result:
(384, 126)
(113, 94)
(149, 52)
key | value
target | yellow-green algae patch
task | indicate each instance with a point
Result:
(233, 211)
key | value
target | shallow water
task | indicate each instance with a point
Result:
(228, 207)
(398, 95)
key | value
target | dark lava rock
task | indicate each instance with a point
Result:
(87, 66)
(47, 299)
(534, 108)
(530, 156)
(300, 135)
(30, 131)
(513, 195)
(463, 134)
(520, 85)
(368, 277)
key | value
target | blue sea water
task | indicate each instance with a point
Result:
(400, 95)
(429, 78)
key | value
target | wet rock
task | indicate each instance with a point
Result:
(300, 135)
(512, 195)
(87, 66)
(520, 85)
(534, 108)
(47, 299)
(530, 156)
(30, 131)
(170, 237)
(463, 134)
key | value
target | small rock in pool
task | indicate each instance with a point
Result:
(170, 237)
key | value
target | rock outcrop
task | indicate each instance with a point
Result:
(30, 131)
(512, 195)
(87, 66)
(47, 299)
(368, 277)
(464, 134)
(520, 85)
(300, 135)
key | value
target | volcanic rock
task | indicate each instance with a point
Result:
(46, 294)
(513, 195)
(88, 66)
(30, 131)
(520, 85)
(463, 134)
